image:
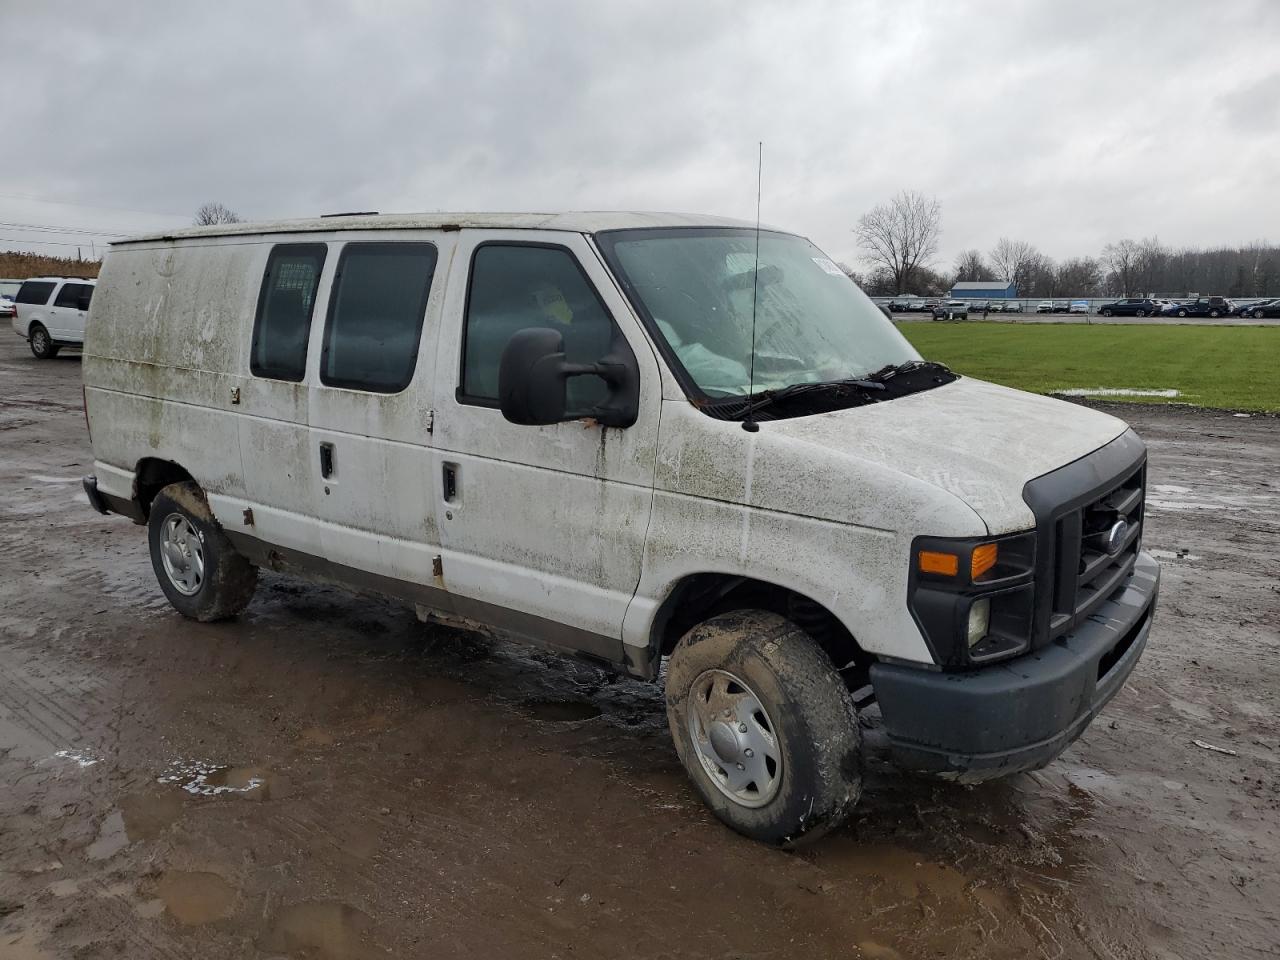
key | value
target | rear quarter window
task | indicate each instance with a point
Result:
(35, 291)
(285, 304)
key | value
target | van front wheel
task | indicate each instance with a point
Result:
(200, 572)
(764, 726)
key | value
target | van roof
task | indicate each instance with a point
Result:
(52, 279)
(579, 222)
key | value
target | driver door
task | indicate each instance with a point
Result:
(542, 528)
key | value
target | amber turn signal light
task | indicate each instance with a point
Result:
(932, 561)
(984, 558)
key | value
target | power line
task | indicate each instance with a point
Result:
(48, 228)
(92, 206)
(43, 243)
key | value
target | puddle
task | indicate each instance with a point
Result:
(194, 898)
(112, 838)
(899, 874)
(329, 930)
(201, 778)
(561, 711)
(147, 815)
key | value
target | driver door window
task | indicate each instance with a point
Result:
(515, 287)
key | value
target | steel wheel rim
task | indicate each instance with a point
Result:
(182, 554)
(734, 738)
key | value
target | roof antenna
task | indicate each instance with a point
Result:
(749, 422)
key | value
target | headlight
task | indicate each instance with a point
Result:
(979, 620)
(973, 598)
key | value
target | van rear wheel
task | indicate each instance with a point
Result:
(764, 726)
(200, 572)
(42, 345)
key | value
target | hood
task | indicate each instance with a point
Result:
(976, 440)
(951, 461)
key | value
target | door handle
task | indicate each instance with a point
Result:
(326, 460)
(450, 482)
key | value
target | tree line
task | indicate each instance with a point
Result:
(899, 243)
(18, 265)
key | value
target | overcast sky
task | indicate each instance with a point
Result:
(1068, 124)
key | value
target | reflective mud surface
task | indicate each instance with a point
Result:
(328, 778)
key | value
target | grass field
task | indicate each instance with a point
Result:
(1230, 368)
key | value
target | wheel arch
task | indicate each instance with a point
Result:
(698, 596)
(153, 474)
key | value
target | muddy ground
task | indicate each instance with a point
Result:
(328, 778)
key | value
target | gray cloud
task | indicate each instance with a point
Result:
(1065, 124)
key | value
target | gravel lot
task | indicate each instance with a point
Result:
(325, 777)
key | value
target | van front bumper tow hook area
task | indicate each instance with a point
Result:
(95, 498)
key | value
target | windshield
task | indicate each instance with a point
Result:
(694, 287)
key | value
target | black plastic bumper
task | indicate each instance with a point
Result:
(105, 503)
(96, 499)
(1017, 715)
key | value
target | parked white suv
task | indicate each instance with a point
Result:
(49, 313)
(633, 438)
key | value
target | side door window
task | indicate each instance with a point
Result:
(69, 295)
(517, 286)
(376, 310)
(285, 304)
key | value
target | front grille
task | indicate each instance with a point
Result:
(1088, 568)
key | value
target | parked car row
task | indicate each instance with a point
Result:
(1210, 307)
(933, 305)
(1062, 306)
(1259, 309)
(912, 305)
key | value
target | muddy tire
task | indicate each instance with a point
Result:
(197, 567)
(42, 345)
(764, 727)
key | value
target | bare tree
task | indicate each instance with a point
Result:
(1150, 264)
(970, 266)
(901, 235)
(1039, 277)
(1080, 276)
(1017, 261)
(211, 213)
(1121, 260)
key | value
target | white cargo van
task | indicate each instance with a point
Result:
(636, 439)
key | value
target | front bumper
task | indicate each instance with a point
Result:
(1020, 714)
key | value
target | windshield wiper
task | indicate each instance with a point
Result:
(799, 399)
(891, 370)
(864, 386)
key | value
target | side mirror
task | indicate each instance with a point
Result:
(533, 376)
